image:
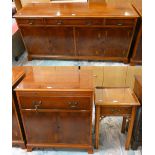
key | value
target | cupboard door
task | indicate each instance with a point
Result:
(90, 41)
(35, 39)
(118, 40)
(74, 127)
(60, 41)
(40, 127)
(50, 127)
(16, 134)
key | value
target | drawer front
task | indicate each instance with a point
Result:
(30, 21)
(115, 111)
(77, 22)
(119, 22)
(77, 103)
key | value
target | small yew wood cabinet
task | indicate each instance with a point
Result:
(56, 108)
(92, 31)
(17, 127)
(115, 102)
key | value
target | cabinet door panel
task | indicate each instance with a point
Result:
(60, 40)
(56, 127)
(35, 39)
(118, 41)
(90, 41)
(74, 127)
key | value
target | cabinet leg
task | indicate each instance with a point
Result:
(23, 146)
(29, 149)
(123, 125)
(29, 58)
(130, 128)
(90, 151)
(126, 61)
(97, 121)
(134, 146)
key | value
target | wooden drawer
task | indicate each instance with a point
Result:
(119, 22)
(46, 102)
(77, 22)
(30, 21)
(115, 111)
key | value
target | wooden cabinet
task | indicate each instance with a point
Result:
(90, 31)
(18, 138)
(56, 112)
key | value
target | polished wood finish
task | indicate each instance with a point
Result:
(18, 138)
(137, 50)
(59, 104)
(115, 102)
(92, 31)
(137, 132)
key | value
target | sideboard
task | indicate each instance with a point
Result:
(88, 31)
(56, 108)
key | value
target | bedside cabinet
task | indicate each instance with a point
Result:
(56, 108)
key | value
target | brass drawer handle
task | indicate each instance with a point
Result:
(30, 22)
(59, 22)
(73, 104)
(89, 23)
(37, 104)
(119, 24)
(115, 111)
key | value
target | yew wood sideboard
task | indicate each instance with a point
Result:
(90, 31)
(56, 108)
(17, 127)
(137, 50)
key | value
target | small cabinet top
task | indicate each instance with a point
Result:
(46, 79)
(116, 97)
(104, 8)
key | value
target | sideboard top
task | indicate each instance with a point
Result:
(46, 79)
(104, 8)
